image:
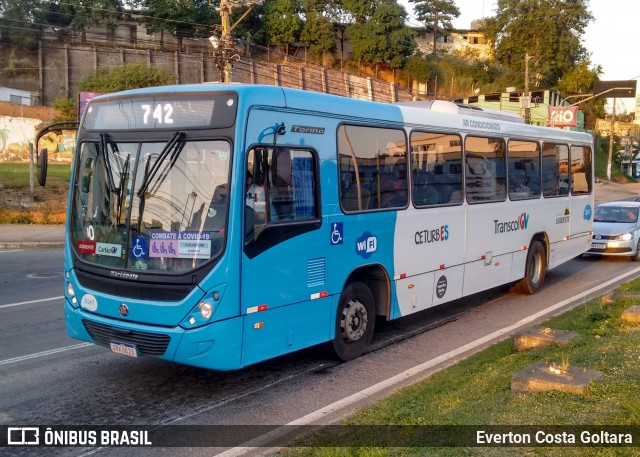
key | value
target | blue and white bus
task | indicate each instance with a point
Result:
(222, 225)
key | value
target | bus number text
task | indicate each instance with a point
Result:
(161, 114)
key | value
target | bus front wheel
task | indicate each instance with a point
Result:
(355, 321)
(535, 269)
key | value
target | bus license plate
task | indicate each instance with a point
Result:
(598, 246)
(124, 348)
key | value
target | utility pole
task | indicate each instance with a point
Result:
(613, 120)
(223, 46)
(225, 19)
(527, 96)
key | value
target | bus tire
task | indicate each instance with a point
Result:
(535, 269)
(355, 320)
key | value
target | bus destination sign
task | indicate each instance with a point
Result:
(162, 112)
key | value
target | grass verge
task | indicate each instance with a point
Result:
(476, 391)
(49, 202)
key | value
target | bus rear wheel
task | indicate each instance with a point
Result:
(535, 269)
(355, 321)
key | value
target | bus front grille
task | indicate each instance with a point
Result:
(147, 343)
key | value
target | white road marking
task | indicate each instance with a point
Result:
(10, 305)
(45, 353)
(11, 250)
(263, 440)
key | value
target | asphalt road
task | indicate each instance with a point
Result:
(48, 378)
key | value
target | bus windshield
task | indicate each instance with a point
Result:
(156, 206)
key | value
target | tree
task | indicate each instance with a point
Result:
(433, 13)
(130, 76)
(547, 30)
(190, 19)
(283, 23)
(89, 13)
(318, 29)
(580, 80)
(65, 109)
(19, 24)
(383, 38)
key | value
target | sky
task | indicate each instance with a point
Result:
(612, 38)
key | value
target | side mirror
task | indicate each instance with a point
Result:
(43, 160)
(281, 167)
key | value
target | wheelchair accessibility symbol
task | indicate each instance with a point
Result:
(139, 249)
(337, 232)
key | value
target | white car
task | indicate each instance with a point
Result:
(616, 230)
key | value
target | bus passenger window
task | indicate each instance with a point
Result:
(524, 170)
(485, 169)
(372, 163)
(581, 170)
(436, 169)
(555, 169)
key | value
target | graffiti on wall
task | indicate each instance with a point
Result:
(17, 134)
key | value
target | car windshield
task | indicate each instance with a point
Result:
(150, 206)
(619, 214)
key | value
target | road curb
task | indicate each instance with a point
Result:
(5, 245)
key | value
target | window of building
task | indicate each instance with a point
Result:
(372, 163)
(524, 170)
(436, 162)
(555, 169)
(485, 169)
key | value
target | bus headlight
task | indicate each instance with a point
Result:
(71, 293)
(206, 309)
(625, 237)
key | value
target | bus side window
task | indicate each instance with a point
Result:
(373, 168)
(292, 201)
(485, 169)
(524, 169)
(555, 169)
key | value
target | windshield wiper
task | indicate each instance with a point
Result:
(107, 164)
(174, 145)
(123, 183)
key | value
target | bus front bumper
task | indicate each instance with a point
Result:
(214, 346)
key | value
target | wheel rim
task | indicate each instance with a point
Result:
(353, 322)
(536, 268)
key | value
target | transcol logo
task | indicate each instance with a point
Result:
(366, 245)
(521, 223)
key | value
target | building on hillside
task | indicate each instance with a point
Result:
(468, 43)
(513, 102)
(17, 96)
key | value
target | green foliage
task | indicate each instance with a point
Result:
(318, 31)
(65, 109)
(580, 80)
(283, 23)
(383, 38)
(418, 68)
(548, 31)
(19, 23)
(131, 76)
